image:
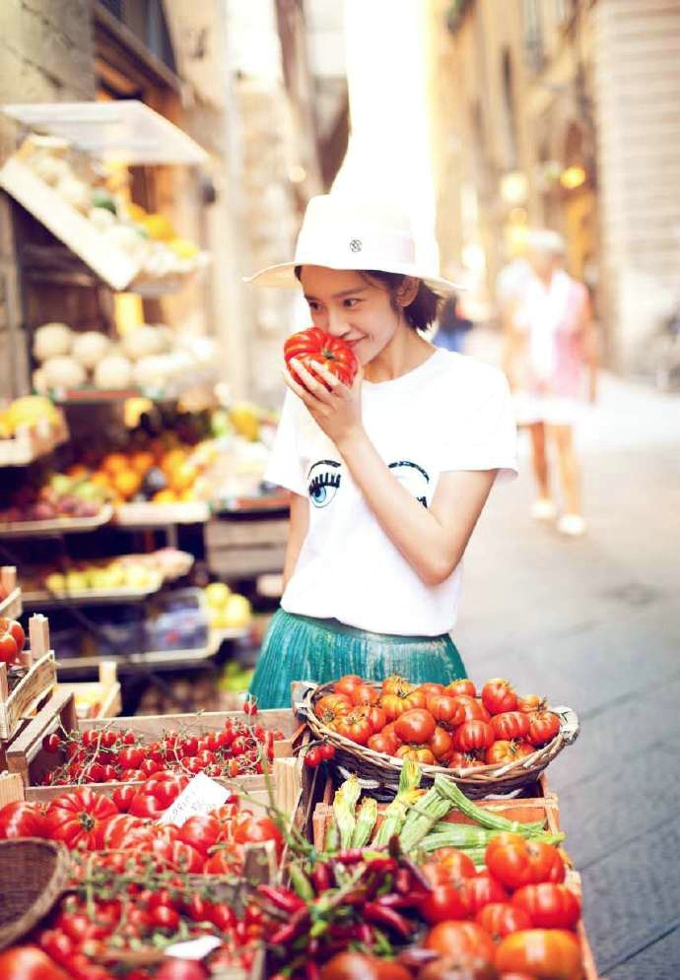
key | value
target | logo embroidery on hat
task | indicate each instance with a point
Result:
(355, 245)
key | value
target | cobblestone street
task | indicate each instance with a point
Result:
(595, 624)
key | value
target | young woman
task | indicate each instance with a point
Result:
(550, 346)
(387, 478)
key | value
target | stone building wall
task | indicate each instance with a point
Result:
(46, 55)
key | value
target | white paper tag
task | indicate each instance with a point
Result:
(193, 949)
(201, 796)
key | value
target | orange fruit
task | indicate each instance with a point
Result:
(172, 459)
(164, 497)
(77, 471)
(142, 461)
(182, 477)
(187, 495)
(100, 479)
(115, 463)
(127, 483)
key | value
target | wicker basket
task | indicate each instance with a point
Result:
(379, 773)
(33, 874)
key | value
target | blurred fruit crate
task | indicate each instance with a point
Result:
(97, 699)
(11, 603)
(32, 441)
(23, 688)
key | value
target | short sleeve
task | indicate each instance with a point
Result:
(285, 467)
(486, 437)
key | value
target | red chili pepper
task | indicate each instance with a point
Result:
(389, 918)
(394, 901)
(281, 898)
(286, 934)
(321, 878)
(382, 865)
(352, 855)
(403, 881)
(365, 934)
(312, 970)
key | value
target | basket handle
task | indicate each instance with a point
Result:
(569, 724)
(300, 694)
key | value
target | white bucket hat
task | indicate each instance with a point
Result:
(338, 233)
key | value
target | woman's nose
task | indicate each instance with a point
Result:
(337, 323)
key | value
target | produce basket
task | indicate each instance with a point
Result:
(33, 873)
(379, 773)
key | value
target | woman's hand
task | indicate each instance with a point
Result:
(336, 411)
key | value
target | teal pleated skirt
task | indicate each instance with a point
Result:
(300, 648)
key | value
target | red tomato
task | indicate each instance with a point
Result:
(364, 694)
(383, 743)
(9, 651)
(253, 830)
(503, 753)
(347, 684)
(416, 753)
(446, 902)
(500, 919)
(173, 968)
(549, 906)
(175, 855)
(28, 963)
(498, 695)
(131, 758)
(164, 917)
(441, 744)
(113, 831)
(313, 757)
(461, 941)
(543, 727)
(315, 347)
(473, 710)
(226, 861)
(354, 726)
(430, 689)
(22, 820)
(531, 702)
(16, 629)
(448, 864)
(446, 710)
(74, 818)
(464, 760)
(375, 715)
(123, 797)
(483, 889)
(464, 686)
(510, 724)
(400, 697)
(517, 862)
(155, 796)
(473, 735)
(549, 954)
(415, 725)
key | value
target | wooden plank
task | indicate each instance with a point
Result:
(39, 679)
(11, 788)
(59, 711)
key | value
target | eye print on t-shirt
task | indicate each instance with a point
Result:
(413, 477)
(324, 481)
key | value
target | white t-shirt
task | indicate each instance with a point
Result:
(450, 413)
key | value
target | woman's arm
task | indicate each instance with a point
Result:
(432, 540)
(297, 532)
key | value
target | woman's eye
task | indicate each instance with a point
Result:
(349, 303)
(314, 306)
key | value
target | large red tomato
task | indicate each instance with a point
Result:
(446, 710)
(498, 695)
(254, 830)
(483, 889)
(441, 744)
(416, 753)
(473, 710)
(157, 794)
(461, 941)
(549, 954)
(22, 820)
(517, 862)
(74, 818)
(549, 906)
(500, 919)
(473, 735)
(202, 831)
(314, 347)
(9, 650)
(28, 963)
(543, 727)
(415, 725)
(464, 686)
(502, 752)
(510, 724)
(446, 902)
(355, 726)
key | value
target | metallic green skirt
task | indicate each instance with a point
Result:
(300, 648)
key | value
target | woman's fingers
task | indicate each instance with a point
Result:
(334, 383)
(312, 383)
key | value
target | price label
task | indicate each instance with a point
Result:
(198, 799)
(194, 949)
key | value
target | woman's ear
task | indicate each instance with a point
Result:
(407, 291)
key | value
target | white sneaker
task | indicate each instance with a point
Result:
(544, 509)
(572, 525)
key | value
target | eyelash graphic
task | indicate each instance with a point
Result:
(324, 486)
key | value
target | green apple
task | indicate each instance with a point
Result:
(55, 582)
(237, 612)
(77, 581)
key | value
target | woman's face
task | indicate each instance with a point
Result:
(352, 307)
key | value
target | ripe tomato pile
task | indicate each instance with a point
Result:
(439, 725)
(12, 639)
(124, 832)
(109, 755)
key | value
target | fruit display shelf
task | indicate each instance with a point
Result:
(157, 659)
(151, 515)
(30, 442)
(45, 599)
(58, 525)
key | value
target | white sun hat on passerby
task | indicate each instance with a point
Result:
(341, 233)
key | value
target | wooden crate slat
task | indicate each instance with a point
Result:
(22, 700)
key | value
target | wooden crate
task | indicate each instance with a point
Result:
(39, 678)
(11, 605)
(542, 808)
(27, 756)
(104, 693)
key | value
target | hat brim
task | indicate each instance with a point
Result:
(282, 276)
